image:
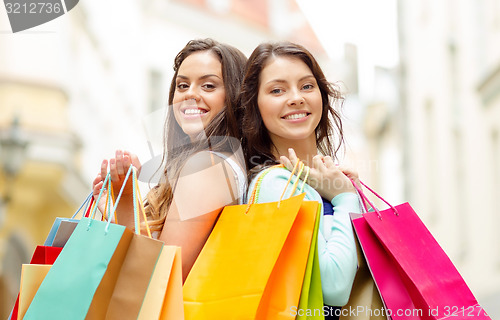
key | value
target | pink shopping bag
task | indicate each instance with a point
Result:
(415, 277)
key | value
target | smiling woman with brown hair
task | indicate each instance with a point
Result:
(202, 170)
(289, 115)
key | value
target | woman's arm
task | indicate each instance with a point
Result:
(200, 194)
(337, 250)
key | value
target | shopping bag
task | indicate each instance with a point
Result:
(127, 296)
(32, 276)
(48, 253)
(365, 302)
(45, 255)
(385, 273)
(173, 304)
(57, 222)
(41, 255)
(433, 284)
(238, 266)
(311, 296)
(281, 298)
(91, 258)
(106, 271)
(163, 299)
(125, 299)
(65, 230)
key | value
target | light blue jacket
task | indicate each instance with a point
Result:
(336, 246)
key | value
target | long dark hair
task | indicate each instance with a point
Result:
(222, 133)
(256, 141)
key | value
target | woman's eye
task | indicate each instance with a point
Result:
(276, 91)
(307, 87)
(182, 86)
(209, 86)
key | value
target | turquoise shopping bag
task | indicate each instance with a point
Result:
(91, 257)
(87, 268)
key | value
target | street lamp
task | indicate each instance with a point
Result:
(12, 154)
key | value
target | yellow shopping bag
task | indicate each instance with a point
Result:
(32, 276)
(253, 264)
(163, 298)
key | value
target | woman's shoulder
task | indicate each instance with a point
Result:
(206, 159)
(196, 162)
(210, 166)
(208, 179)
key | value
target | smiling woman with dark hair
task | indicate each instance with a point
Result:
(202, 170)
(288, 115)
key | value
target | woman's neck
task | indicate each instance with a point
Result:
(305, 149)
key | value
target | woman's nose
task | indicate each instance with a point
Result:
(192, 93)
(296, 99)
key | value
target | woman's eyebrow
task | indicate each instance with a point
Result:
(202, 77)
(284, 81)
(209, 75)
(276, 80)
(305, 77)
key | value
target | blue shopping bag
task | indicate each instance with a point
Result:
(55, 227)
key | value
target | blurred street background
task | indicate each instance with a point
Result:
(422, 109)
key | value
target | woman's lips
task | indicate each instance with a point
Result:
(194, 111)
(296, 116)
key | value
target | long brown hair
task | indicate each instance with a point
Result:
(222, 133)
(256, 141)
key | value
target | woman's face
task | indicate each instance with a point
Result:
(289, 100)
(199, 92)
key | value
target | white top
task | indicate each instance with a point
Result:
(239, 175)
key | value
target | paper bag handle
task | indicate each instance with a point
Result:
(135, 188)
(94, 209)
(256, 190)
(136, 191)
(365, 198)
(87, 202)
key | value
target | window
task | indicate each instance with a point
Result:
(157, 95)
(431, 160)
(495, 192)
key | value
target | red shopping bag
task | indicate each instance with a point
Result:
(415, 277)
(45, 255)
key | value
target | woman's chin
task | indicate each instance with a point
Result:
(193, 131)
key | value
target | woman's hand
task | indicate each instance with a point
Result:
(118, 168)
(97, 185)
(324, 175)
(351, 174)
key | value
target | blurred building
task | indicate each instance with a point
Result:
(74, 90)
(449, 124)
(39, 169)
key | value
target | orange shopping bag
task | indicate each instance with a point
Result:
(253, 264)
